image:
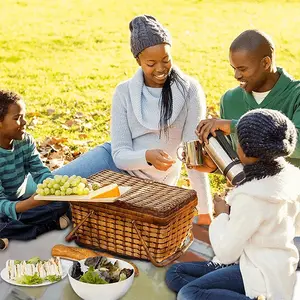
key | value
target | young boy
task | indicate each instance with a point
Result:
(22, 217)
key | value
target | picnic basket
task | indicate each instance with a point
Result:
(151, 221)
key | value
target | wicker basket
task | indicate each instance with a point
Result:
(151, 221)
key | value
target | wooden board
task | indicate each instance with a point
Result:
(84, 198)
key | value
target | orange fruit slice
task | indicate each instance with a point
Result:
(108, 191)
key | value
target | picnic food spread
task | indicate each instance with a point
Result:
(76, 253)
(61, 187)
(100, 271)
(34, 270)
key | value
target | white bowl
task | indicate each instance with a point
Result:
(110, 291)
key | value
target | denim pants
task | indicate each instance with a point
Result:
(94, 161)
(34, 222)
(206, 280)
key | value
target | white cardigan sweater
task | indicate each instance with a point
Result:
(259, 232)
(133, 133)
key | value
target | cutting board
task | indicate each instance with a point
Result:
(84, 198)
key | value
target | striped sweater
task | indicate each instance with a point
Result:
(15, 165)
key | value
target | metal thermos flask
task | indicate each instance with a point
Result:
(221, 152)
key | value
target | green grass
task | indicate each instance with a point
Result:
(70, 54)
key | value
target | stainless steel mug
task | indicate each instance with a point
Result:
(193, 153)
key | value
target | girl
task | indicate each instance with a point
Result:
(152, 114)
(264, 218)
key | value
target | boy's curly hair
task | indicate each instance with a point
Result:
(6, 99)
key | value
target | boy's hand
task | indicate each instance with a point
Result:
(30, 203)
(208, 126)
(159, 159)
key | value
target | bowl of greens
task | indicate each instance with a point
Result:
(111, 278)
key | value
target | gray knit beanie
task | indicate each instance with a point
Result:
(266, 134)
(146, 31)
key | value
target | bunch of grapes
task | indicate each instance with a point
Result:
(64, 186)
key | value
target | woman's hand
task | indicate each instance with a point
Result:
(30, 203)
(220, 206)
(160, 159)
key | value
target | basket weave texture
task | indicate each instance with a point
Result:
(162, 214)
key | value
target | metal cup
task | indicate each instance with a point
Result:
(193, 153)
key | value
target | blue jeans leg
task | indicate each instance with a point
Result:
(179, 275)
(206, 280)
(33, 222)
(94, 161)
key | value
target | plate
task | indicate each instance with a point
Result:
(65, 267)
(85, 198)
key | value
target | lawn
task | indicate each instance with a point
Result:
(66, 56)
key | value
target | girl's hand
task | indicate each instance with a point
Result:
(220, 206)
(208, 164)
(160, 159)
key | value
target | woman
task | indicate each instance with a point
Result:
(152, 114)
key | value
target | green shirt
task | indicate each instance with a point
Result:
(284, 96)
(15, 165)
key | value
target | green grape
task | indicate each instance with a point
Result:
(57, 178)
(40, 186)
(57, 193)
(46, 191)
(80, 192)
(40, 191)
(81, 185)
(69, 191)
(72, 177)
(52, 191)
(63, 188)
(44, 185)
(86, 191)
(62, 193)
(84, 181)
(74, 183)
(65, 178)
(74, 190)
(47, 180)
(95, 186)
(50, 185)
(66, 184)
(56, 186)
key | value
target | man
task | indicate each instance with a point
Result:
(262, 85)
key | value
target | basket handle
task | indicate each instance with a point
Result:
(171, 258)
(71, 234)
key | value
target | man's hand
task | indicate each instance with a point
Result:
(160, 159)
(205, 127)
(30, 203)
(220, 206)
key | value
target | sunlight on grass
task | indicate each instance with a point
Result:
(70, 55)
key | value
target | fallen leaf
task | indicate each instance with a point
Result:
(82, 135)
(50, 111)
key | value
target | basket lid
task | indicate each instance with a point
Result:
(146, 196)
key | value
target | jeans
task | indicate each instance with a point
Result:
(94, 161)
(34, 222)
(206, 280)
